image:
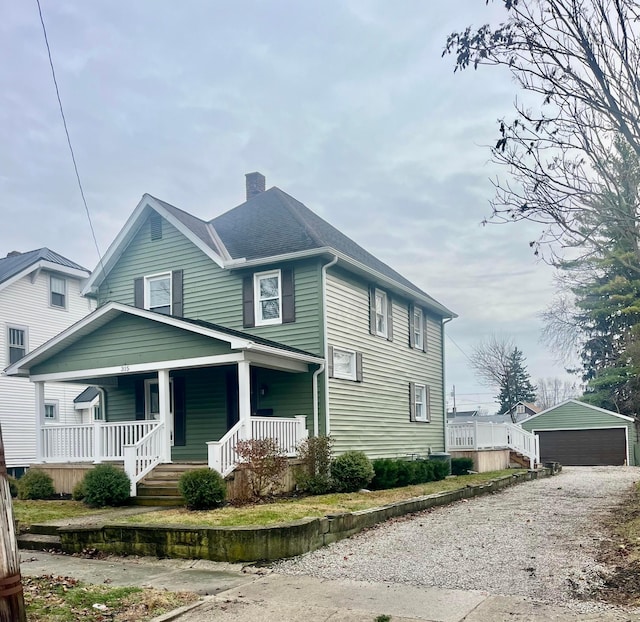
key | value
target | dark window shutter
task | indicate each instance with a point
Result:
(389, 318)
(139, 391)
(248, 312)
(179, 412)
(138, 293)
(359, 366)
(288, 296)
(330, 361)
(412, 335)
(372, 309)
(155, 221)
(428, 404)
(412, 401)
(177, 307)
(424, 331)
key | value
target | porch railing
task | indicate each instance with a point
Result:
(479, 435)
(143, 455)
(288, 432)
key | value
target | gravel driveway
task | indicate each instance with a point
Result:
(536, 539)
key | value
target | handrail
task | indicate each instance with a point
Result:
(141, 457)
(222, 455)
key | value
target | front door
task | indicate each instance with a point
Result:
(152, 403)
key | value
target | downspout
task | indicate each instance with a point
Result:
(444, 386)
(327, 424)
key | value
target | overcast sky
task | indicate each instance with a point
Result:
(345, 104)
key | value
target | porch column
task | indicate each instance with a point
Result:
(165, 411)
(244, 398)
(39, 389)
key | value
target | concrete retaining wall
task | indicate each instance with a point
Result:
(248, 544)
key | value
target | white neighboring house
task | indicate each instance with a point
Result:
(40, 296)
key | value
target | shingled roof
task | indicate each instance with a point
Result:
(16, 263)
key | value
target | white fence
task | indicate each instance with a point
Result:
(479, 435)
(141, 456)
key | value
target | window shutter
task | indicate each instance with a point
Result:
(412, 401)
(288, 297)
(389, 318)
(424, 331)
(155, 221)
(412, 335)
(138, 293)
(330, 361)
(428, 404)
(248, 312)
(179, 412)
(176, 293)
(139, 390)
(359, 366)
(372, 309)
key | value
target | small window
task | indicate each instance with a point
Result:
(58, 287)
(268, 296)
(97, 413)
(344, 364)
(419, 402)
(157, 293)
(418, 329)
(50, 411)
(520, 409)
(381, 313)
(17, 344)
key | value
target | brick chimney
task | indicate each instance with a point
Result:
(256, 183)
(14, 254)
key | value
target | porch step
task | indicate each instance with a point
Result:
(39, 542)
(164, 501)
(168, 490)
(520, 461)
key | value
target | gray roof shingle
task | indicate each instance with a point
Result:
(10, 266)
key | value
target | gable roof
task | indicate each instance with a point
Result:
(15, 265)
(88, 395)
(579, 403)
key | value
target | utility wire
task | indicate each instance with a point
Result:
(459, 348)
(66, 131)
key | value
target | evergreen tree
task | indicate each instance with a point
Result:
(515, 385)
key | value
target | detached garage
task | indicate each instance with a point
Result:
(577, 434)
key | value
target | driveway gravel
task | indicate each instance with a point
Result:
(538, 540)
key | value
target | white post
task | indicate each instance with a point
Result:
(129, 455)
(97, 440)
(39, 387)
(164, 397)
(301, 432)
(475, 435)
(244, 398)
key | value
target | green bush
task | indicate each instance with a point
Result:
(79, 492)
(351, 471)
(105, 484)
(425, 471)
(441, 469)
(202, 489)
(13, 486)
(460, 466)
(314, 474)
(408, 472)
(385, 474)
(35, 484)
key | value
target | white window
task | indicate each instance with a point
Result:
(58, 295)
(381, 313)
(157, 293)
(268, 298)
(97, 413)
(152, 398)
(418, 328)
(344, 364)
(421, 406)
(17, 339)
(50, 411)
(520, 409)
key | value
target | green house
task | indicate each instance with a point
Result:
(263, 322)
(579, 434)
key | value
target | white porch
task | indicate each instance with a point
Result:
(477, 436)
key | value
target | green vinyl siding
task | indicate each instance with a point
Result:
(575, 415)
(373, 416)
(287, 394)
(211, 293)
(128, 340)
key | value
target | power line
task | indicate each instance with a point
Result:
(66, 131)
(459, 348)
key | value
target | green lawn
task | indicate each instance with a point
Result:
(30, 512)
(286, 510)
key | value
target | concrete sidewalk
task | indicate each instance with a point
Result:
(236, 594)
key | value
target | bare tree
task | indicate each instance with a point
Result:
(578, 59)
(552, 391)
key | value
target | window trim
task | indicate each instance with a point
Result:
(422, 415)
(25, 330)
(257, 307)
(384, 312)
(64, 294)
(148, 415)
(56, 410)
(418, 331)
(148, 278)
(354, 364)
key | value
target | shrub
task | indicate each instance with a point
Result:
(105, 484)
(79, 492)
(314, 474)
(351, 471)
(202, 489)
(425, 472)
(408, 473)
(13, 486)
(441, 469)
(35, 484)
(265, 465)
(385, 474)
(460, 466)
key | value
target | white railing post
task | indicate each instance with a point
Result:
(129, 452)
(165, 412)
(39, 389)
(244, 399)
(475, 435)
(302, 432)
(97, 441)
